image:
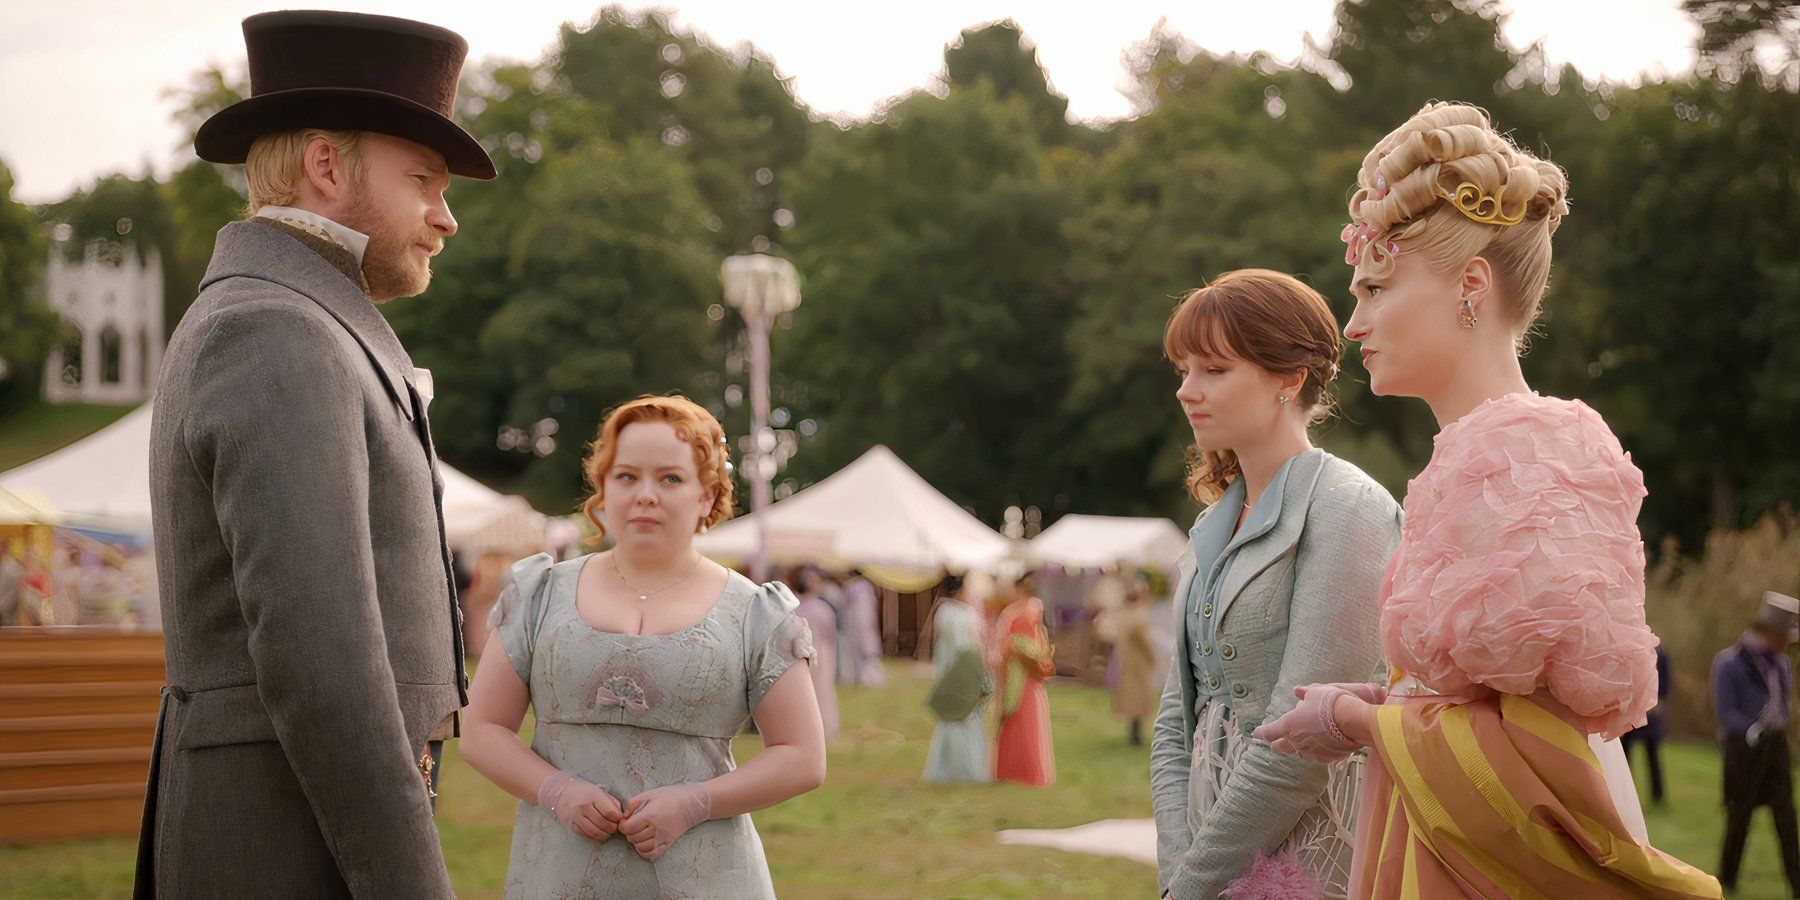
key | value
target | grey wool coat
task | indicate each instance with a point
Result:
(313, 639)
(1298, 605)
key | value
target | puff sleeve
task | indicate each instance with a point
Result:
(774, 639)
(1521, 566)
(520, 610)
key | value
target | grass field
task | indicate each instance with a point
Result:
(875, 831)
(36, 430)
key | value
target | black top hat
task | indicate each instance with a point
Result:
(348, 72)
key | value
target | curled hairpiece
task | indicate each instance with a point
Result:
(1484, 208)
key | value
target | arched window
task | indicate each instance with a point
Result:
(70, 353)
(112, 349)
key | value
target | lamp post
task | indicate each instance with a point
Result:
(761, 288)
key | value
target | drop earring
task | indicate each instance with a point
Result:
(1467, 314)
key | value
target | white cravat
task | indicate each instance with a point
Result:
(349, 238)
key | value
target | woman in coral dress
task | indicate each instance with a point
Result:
(1022, 751)
(1513, 610)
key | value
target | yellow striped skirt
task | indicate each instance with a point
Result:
(1498, 798)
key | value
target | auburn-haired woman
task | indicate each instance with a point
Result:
(641, 663)
(1277, 589)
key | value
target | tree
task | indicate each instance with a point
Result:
(28, 327)
(727, 114)
(1218, 173)
(932, 244)
(1000, 54)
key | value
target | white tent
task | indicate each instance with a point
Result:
(1099, 541)
(874, 512)
(103, 481)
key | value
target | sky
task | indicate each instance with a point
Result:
(86, 80)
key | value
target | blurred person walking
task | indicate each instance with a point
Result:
(1129, 630)
(1752, 692)
(959, 697)
(1023, 751)
(809, 584)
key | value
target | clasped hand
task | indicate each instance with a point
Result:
(656, 817)
(581, 806)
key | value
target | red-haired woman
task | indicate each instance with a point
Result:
(641, 663)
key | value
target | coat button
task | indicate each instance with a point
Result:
(1206, 610)
(1205, 649)
(1226, 651)
(1238, 690)
(1212, 681)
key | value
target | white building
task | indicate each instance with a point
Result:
(111, 305)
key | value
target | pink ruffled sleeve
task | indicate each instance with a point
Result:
(1521, 567)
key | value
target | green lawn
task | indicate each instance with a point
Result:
(875, 831)
(36, 430)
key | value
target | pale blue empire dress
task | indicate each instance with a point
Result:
(633, 712)
(959, 750)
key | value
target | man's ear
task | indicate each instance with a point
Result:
(326, 170)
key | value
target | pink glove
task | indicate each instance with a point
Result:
(580, 805)
(1310, 730)
(656, 817)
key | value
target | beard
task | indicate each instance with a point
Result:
(388, 264)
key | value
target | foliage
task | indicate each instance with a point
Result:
(986, 281)
(28, 327)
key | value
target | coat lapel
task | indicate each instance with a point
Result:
(1259, 553)
(254, 249)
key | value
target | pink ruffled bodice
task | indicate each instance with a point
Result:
(1520, 566)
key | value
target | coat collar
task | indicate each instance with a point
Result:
(263, 250)
(1267, 539)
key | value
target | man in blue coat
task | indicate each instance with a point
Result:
(1752, 683)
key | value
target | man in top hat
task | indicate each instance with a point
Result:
(314, 643)
(1752, 682)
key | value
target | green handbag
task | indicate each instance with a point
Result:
(961, 689)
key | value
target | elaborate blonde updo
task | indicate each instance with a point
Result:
(1410, 187)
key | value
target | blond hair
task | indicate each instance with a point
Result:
(1404, 195)
(274, 166)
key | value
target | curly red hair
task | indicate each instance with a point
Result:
(692, 424)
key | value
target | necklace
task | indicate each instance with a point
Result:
(643, 594)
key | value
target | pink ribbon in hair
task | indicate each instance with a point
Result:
(1356, 237)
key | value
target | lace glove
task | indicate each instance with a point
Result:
(580, 805)
(1310, 729)
(656, 817)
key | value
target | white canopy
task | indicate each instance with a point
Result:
(103, 481)
(1099, 541)
(874, 512)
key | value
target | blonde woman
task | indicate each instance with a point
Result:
(641, 664)
(1513, 610)
(1277, 589)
